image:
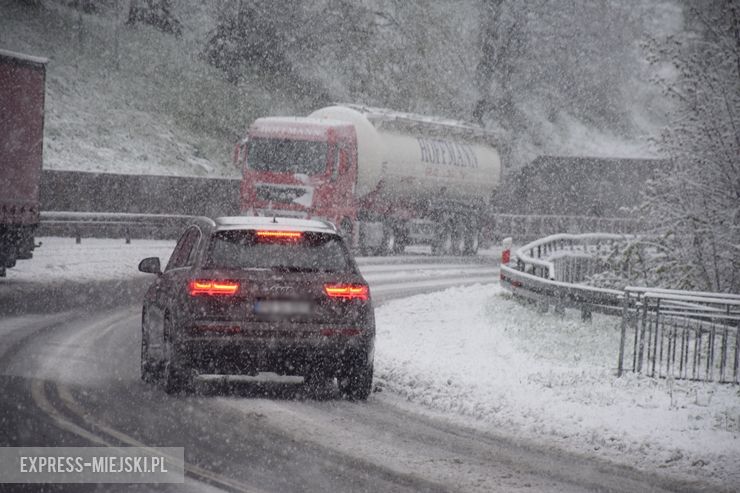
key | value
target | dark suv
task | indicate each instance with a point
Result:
(242, 295)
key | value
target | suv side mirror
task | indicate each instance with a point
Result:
(150, 265)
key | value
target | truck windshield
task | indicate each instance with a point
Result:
(287, 156)
(311, 252)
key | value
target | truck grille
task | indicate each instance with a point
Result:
(284, 194)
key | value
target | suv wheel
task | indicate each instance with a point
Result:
(176, 380)
(317, 381)
(148, 367)
(443, 245)
(472, 240)
(458, 243)
(389, 244)
(176, 377)
(345, 229)
(356, 382)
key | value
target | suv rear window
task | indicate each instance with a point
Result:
(243, 249)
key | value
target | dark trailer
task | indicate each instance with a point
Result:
(22, 84)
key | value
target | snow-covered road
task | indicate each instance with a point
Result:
(72, 379)
(477, 393)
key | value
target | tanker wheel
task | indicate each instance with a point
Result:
(390, 243)
(444, 245)
(368, 251)
(401, 241)
(345, 229)
(472, 242)
(458, 241)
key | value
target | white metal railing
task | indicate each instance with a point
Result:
(676, 333)
(541, 255)
(681, 334)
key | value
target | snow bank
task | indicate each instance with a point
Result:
(94, 259)
(474, 353)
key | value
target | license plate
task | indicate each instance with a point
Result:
(282, 307)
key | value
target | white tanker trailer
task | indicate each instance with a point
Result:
(387, 179)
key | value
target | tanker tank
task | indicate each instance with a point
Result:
(419, 158)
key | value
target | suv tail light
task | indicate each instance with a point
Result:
(347, 291)
(198, 287)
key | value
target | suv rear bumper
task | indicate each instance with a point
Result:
(297, 354)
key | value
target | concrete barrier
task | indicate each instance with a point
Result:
(79, 191)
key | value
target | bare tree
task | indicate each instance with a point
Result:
(697, 205)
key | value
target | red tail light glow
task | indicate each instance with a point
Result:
(198, 287)
(279, 235)
(347, 291)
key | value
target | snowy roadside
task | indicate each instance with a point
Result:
(61, 259)
(103, 272)
(479, 358)
(94, 259)
(63, 275)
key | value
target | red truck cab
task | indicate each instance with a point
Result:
(300, 167)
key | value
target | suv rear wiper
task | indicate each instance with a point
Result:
(293, 268)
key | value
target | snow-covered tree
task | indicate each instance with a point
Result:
(696, 206)
(555, 75)
(157, 13)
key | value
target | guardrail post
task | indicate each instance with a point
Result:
(683, 359)
(127, 234)
(559, 306)
(657, 329)
(697, 353)
(636, 322)
(737, 355)
(585, 314)
(623, 335)
(78, 236)
(723, 356)
(712, 336)
(543, 305)
(643, 329)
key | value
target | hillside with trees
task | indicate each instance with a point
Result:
(164, 87)
(550, 78)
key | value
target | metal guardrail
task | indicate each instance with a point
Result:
(681, 334)
(112, 225)
(164, 226)
(542, 256)
(675, 334)
(547, 271)
(562, 295)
